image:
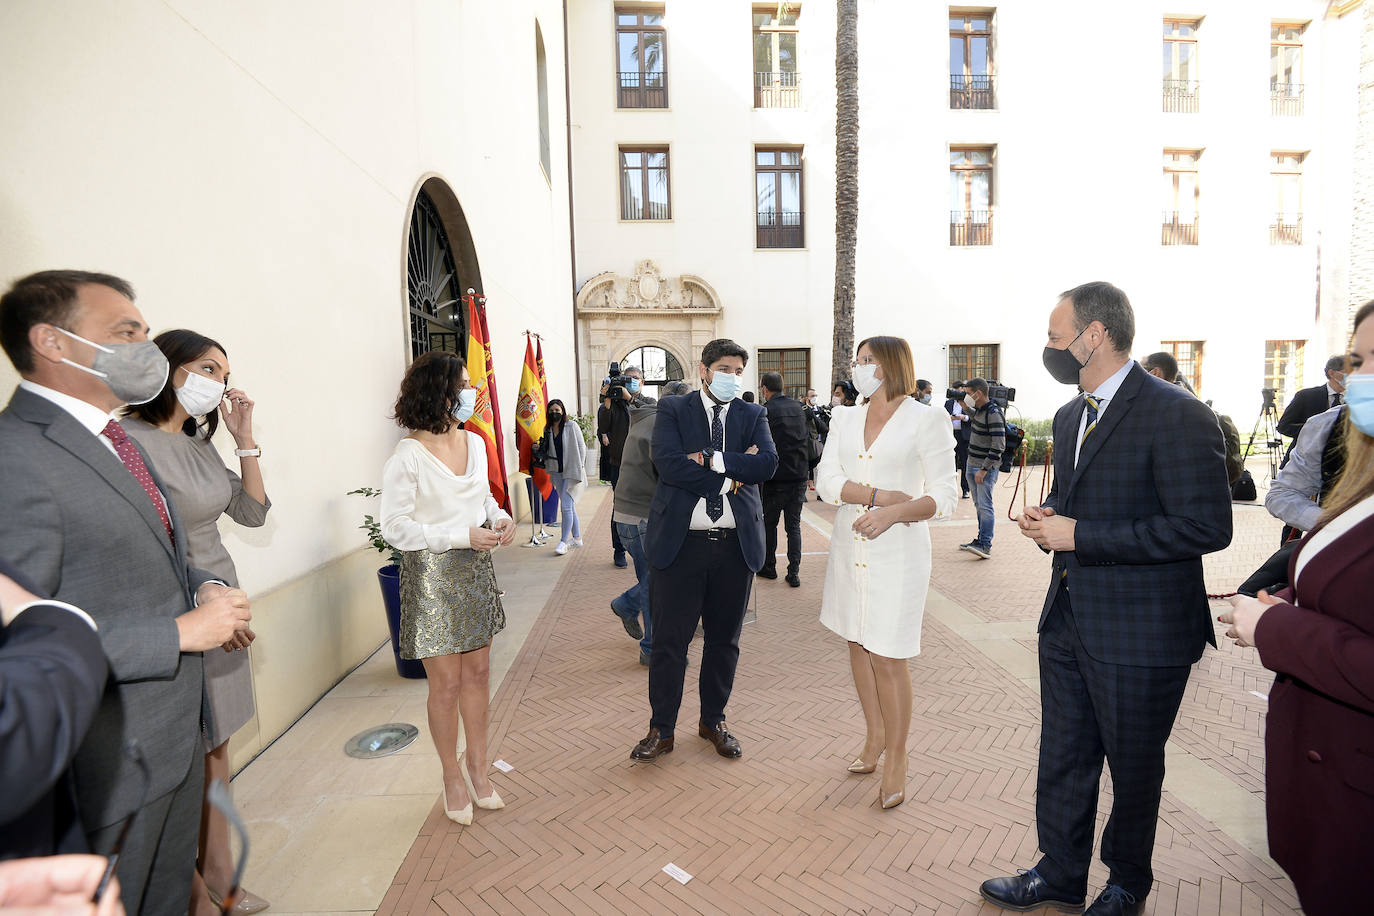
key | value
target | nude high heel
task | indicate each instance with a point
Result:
(862, 767)
(492, 802)
(462, 815)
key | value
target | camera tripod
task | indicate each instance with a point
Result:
(1272, 444)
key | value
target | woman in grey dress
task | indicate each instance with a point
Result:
(174, 429)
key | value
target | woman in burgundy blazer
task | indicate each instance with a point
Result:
(1318, 635)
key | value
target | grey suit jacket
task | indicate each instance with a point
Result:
(77, 523)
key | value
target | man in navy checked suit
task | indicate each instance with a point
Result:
(1139, 495)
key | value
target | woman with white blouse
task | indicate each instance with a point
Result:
(437, 509)
(889, 465)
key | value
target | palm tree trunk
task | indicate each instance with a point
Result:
(846, 182)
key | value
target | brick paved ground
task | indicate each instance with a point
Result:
(785, 829)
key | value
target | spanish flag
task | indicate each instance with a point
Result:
(529, 419)
(486, 417)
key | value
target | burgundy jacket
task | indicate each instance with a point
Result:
(1319, 743)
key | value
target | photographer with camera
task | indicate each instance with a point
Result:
(620, 391)
(987, 438)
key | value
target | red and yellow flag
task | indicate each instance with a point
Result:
(539, 362)
(486, 416)
(529, 419)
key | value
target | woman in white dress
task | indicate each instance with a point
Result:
(437, 509)
(889, 465)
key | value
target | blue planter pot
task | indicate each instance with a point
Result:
(390, 578)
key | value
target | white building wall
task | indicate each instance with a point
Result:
(1079, 133)
(250, 167)
(771, 297)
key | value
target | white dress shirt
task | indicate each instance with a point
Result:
(425, 506)
(1104, 394)
(700, 520)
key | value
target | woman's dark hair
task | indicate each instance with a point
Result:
(429, 391)
(180, 347)
(561, 407)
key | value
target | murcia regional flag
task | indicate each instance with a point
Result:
(529, 419)
(485, 420)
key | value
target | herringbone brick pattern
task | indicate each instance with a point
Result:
(786, 829)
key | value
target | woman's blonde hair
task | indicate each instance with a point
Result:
(1356, 480)
(899, 369)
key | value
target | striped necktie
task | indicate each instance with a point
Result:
(1093, 404)
(715, 505)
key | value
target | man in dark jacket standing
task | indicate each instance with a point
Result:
(786, 492)
(612, 428)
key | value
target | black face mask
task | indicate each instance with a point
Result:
(1062, 364)
(555, 417)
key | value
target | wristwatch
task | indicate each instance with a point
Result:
(254, 452)
(706, 455)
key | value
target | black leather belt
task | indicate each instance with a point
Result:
(711, 534)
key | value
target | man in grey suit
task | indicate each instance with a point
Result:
(84, 516)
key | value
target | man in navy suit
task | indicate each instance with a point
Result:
(705, 541)
(52, 676)
(1139, 495)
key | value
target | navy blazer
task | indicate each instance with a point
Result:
(1149, 495)
(681, 428)
(52, 675)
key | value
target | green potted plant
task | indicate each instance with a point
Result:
(389, 577)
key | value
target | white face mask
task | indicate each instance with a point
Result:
(467, 403)
(866, 379)
(200, 395)
(925, 398)
(970, 403)
(814, 400)
(837, 401)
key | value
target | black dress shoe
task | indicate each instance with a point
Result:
(1116, 901)
(794, 580)
(767, 573)
(1028, 891)
(727, 745)
(652, 747)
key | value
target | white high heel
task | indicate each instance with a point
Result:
(462, 815)
(492, 802)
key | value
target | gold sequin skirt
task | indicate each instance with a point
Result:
(449, 602)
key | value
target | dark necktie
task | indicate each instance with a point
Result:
(715, 505)
(1093, 404)
(128, 453)
(1336, 399)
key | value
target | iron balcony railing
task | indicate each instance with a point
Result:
(1285, 98)
(1286, 229)
(777, 89)
(1178, 229)
(970, 91)
(970, 227)
(1181, 96)
(780, 229)
(643, 90)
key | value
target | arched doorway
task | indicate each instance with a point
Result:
(658, 366)
(441, 265)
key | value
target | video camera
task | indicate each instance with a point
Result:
(1001, 395)
(1268, 395)
(617, 383)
